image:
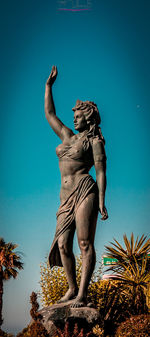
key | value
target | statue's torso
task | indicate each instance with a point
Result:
(75, 161)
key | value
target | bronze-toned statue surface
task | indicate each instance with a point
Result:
(81, 197)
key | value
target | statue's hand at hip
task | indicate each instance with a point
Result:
(103, 212)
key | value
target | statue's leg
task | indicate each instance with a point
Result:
(86, 218)
(65, 243)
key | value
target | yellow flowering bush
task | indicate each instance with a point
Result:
(54, 283)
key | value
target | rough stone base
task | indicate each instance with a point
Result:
(57, 315)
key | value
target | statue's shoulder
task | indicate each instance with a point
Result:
(95, 140)
(98, 148)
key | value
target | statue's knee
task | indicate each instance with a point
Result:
(63, 248)
(84, 245)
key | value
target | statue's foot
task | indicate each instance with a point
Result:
(79, 303)
(70, 294)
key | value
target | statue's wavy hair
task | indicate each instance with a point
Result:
(92, 116)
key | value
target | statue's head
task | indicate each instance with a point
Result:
(85, 114)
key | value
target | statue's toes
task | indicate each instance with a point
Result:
(78, 305)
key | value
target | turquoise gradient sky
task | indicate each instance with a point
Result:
(102, 55)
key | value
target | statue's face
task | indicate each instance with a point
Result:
(80, 123)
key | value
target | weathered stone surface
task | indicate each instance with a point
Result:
(57, 315)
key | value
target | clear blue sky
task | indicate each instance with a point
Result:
(102, 55)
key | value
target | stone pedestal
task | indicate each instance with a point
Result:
(57, 315)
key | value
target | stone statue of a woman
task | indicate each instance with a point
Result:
(81, 197)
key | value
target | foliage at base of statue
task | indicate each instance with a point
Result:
(66, 332)
(132, 269)
(23, 333)
(36, 329)
(101, 292)
(135, 326)
(113, 307)
(98, 331)
(35, 306)
(54, 284)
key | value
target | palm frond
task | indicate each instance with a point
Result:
(136, 243)
(140, 242)
(146, 247)
(19, 265)
(2, 241)
(113, 252)
(119, 249)
(9, 260)
(132, 243)
(119, 245)
(132, 268)
(8, 273)
(127, 243)
(11, 246)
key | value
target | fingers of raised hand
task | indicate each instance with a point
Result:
(52, 76)
(53, 71)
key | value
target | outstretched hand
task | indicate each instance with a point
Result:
(52, 76)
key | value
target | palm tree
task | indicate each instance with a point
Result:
(132, 268)
(135, 280)
(132, 254)
(9, 263)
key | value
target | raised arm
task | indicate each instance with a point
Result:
(59, 128)
(100, 168)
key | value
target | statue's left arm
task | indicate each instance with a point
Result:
(100, 168)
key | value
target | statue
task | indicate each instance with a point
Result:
(81, 197)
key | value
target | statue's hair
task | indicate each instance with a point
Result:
(90, 111)
(91, 114)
